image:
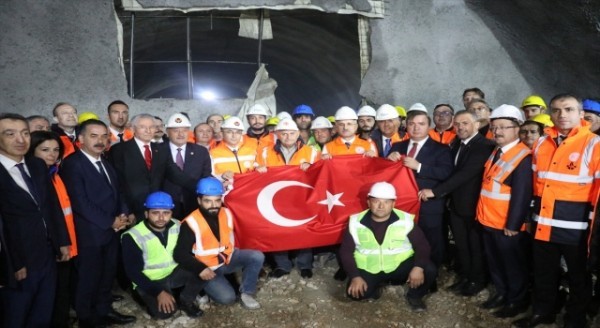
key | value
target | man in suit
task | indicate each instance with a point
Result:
(142, 166)
(34, 228)
(431, 163)
(192, 159)
(99, 213)
(386, 134)
(469, 151)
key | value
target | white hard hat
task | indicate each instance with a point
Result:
(345, 113)
(283, 115)
(321, 122)
(257, 109)
(178, 120)
(386, 112)
(286, 124)
(508, 112)
(366, 111)
(233, 122)
(417, 106)
(383, 190)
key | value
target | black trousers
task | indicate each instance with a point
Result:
(400, 275)
(64, 291)
(469, 248)
(433, 228)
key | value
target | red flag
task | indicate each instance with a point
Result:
(287, 208)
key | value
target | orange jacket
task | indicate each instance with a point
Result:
(494, 199)
(208, 249)
(565, 185)
(446, 137)
(127, 135)
(65, 204)
(265, 140)
(223, 159)
(68, 145)
(271, 156)
(338, 147)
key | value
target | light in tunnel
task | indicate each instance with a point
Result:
(208, 95)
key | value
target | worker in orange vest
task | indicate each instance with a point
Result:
(347, 142)
(118, 117)
(65, 118)
(443, 131)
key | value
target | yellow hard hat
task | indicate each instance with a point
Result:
(331, 119)
(401, 111)
(273, 120)
(226, 116)
(543, 119)
(534, 100)
(87, 116)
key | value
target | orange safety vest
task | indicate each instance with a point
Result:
(565, 185)
(68, 145)
(445, 137)
(223, 159)
(269, 156)
(127, 135)
(65, 204)
(266, 140)
(338, 147)
(207, 249)
(494, 199)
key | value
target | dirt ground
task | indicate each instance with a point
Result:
(293, 302)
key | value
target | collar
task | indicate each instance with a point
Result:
(466, 141)
(174, 147)
(506, 148)
(420, 143)
(9, 163)
(90, 157)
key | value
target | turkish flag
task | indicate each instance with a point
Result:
(287, 208)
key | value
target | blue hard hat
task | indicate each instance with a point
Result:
(590, 105)
(159, 200)
(209, 187)
(303, 110)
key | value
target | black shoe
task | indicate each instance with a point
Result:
(306, 273)
(494, 301)
(433, 288)
(191, 310)
(340, 275)
(457, 286)
(115, 318)
(511, 310)
(534, 321)
(117, 298)
(471, 289)
(416, 304)
(278, 273)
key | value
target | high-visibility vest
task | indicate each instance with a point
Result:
(127, 135)
(68, 145)
(445, 137)
(207, 249)
(65, 205)
(494, 199)
(338, 147)
(223, 159)
(269, 156)
(158, 259)
(565, 184)
(395, 248)
(265, 140)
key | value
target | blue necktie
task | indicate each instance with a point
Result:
(387, 147)
(29, 183)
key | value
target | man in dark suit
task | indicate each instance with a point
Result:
(34, 228)
(142, 166)
(431, 163)
(99, 213)
(470, 151)
(193, 160)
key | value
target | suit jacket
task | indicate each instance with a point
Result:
(95, 202)
(196, 165)
(136, 181)
(29, 226)
(464, 185)
(436, 167)
(7, 272)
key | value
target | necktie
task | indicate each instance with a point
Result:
(101, 169)
(460, 150)
(387, 146)
(234, 151)
(120, 135)
(29, 183)
(497, 156)
(347, 145)
(413, 150)
(148, 156)
(179, 159)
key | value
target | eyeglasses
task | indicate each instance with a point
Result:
(502, 128)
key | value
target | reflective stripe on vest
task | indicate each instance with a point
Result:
(270, 158)
(207, 248)
(561, 223)
(395, 248)
(223, 159)
(358, 146)
(65, 204)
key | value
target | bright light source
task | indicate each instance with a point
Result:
(208, 95)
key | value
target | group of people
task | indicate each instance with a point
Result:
(83, 200)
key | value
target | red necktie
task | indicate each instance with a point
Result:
(413, 150)
(148, 156)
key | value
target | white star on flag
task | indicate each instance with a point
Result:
(332, 200)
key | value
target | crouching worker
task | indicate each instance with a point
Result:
(148, 260)
(206, 247)
(382, 245)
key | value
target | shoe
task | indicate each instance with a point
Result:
(534, 321)
(433, 288)
(494, 301)
(117, 298)
(115, 318)
(204, 299)
(191, 310)
(416, 304)
(457, 286)
(471, 289)
(278, 273)
(340, 275)
(249, 302)
(306, 273)
(511, 310)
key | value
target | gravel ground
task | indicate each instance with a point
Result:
(292, 302)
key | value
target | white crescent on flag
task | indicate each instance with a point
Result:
(264, 203)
